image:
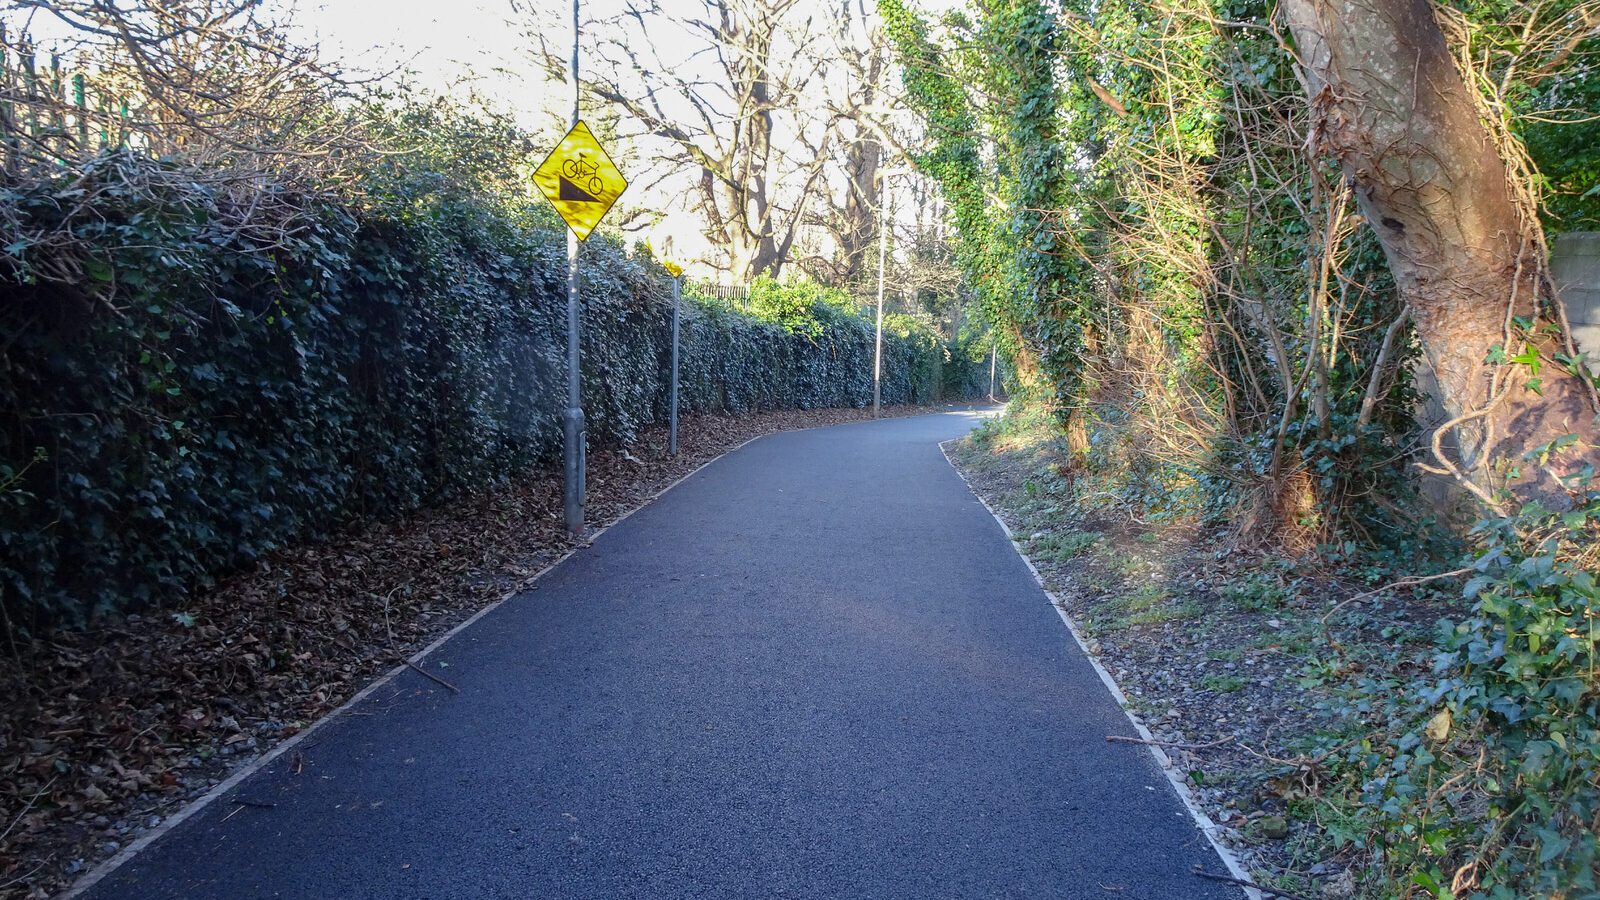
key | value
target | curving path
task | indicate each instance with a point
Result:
(814, 669)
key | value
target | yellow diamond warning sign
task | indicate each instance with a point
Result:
(580, 180)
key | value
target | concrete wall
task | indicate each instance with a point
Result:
(1575, 268)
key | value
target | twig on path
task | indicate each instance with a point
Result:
(1119, 739)
(1249, 884)
(426, 674)
(241, 804)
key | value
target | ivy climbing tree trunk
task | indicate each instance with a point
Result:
(1462, 240)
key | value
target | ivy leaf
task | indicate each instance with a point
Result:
(1536, 758)
(1551, 844)
(1438, 727)
(97, 269)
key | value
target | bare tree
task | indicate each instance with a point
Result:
(213, 79)
(847, 207)
(749, 105)
(214, 85)
(1447, 196)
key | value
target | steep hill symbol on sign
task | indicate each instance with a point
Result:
(570, 191)
(580, 180)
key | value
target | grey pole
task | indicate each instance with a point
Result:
(883, 254)
(572, 423)
(994, 347)
(672, 417)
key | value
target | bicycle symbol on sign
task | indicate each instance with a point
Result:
(578, 169)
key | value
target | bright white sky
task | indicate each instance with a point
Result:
(446, 45)
(478, 45)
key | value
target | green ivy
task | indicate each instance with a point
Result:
(1498, 774)
(204, 398)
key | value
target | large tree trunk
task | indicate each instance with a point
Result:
(858, 223)
(1389, 103)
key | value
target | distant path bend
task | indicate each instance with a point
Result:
(814, 669)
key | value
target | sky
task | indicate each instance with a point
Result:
(447, 47)
(457, 45)
(442, 46)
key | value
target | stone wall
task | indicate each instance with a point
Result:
(1575, 267)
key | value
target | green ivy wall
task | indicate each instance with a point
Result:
(202, 398)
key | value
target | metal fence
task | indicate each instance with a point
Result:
(53, 110)
(736, 294)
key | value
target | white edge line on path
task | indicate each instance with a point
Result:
(100, 872)
(1201, 819)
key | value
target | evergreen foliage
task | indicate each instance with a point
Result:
(204, 395)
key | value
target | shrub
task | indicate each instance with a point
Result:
(201, 396)
(1491, 787)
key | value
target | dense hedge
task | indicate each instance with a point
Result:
(202, 398)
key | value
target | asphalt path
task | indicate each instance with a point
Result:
(814, 669)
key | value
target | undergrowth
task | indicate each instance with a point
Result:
(1460, 760)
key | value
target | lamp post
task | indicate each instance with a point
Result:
(676, 271)
(885, 222)
(672, 417)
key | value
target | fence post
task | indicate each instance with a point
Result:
(80, 98)
(58, 119)
(7, 108)
(31, 76)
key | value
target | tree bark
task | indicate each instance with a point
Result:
(1388, 102)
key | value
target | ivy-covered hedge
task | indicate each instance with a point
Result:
(201, 397)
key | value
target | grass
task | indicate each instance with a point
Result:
(1256, 594)
(1296, 639)
(1176, 613)
(1125, 564)
(1222, 684)
(1061, 546)
(1149, 604)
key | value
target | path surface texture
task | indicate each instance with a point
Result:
(814, 669)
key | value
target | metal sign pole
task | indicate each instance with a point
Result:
(994, 348)
(672, 417)
(572, 423)
(883, 255)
